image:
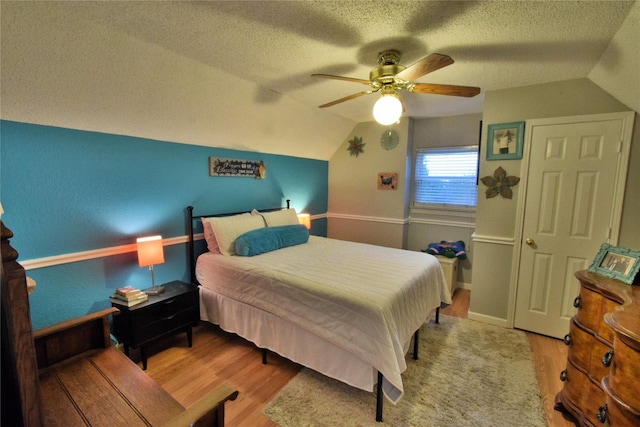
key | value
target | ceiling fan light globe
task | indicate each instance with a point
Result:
(387, 110)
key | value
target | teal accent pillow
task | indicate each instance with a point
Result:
(261, 240)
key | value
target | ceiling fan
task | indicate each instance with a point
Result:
(389, 77)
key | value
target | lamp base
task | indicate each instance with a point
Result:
(155, 290)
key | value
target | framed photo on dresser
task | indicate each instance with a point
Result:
(617, 263)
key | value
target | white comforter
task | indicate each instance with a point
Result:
(366, 299)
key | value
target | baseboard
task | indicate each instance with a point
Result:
(488, 319)
(461, 285)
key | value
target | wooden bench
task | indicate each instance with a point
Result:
(70, 374)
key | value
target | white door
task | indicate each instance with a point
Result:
(572, 204)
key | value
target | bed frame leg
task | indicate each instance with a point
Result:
(438, 315)
(264, 356)
(416, 344)
(379, 399)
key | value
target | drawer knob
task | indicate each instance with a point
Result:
(576, 302)
(607, 358)
(567, 339)
(563, 375)
(602, 413)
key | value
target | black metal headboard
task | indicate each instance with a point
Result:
(191, 242)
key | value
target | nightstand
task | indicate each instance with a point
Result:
(175, 310)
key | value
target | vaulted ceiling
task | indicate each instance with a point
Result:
(237, 74)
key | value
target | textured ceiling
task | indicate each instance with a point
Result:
(278, 45)
(257, 56)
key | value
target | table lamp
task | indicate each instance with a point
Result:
(150, 252)
(305, 219)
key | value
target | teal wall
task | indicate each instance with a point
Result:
(67, 191)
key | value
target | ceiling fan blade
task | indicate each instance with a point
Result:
(346, 79)
(346, 98)
(426, 65)
(451, 90)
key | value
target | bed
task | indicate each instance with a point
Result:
(347, 310)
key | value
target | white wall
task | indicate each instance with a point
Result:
(358, 210)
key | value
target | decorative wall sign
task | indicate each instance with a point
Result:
(505, 141)
(499, 183)
(235, 167)
(387, 181)
(356, 146)
(389, 139)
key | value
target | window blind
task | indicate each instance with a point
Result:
(446, 176)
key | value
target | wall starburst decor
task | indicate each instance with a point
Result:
(356, 146)
(500, 184)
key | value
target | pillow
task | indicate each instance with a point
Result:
(278, 218)
(269, 239)
(226, 229)
(209, 237)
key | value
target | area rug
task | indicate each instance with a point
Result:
(469, 374)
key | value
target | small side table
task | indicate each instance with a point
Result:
(175, 310)
(450, 268)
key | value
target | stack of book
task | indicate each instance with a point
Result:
(128, 296)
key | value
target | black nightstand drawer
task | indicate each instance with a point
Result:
(164, 309)
(165, 325)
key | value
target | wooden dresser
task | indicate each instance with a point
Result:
(602, 378)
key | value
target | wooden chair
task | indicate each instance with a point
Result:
(70, 374)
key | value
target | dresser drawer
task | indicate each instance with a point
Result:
(581, 391)
(618, 411)
(604, 331)
(624, 378)
(588, 314)
(599, 351)
(580, 346)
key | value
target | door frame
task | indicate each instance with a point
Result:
(627, 118)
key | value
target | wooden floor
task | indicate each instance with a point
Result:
(218, 357)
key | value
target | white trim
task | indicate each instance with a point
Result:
(400, 221)
(51, 261)
(493, 239)
(488, 319)
(461, 212)
(461, 224)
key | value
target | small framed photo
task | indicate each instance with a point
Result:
(616, 262)
(387, 181)
(505, 141)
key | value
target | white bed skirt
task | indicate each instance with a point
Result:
(288, 340)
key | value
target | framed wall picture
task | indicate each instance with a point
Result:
(505, 141)
(387, 181)
(616, 262)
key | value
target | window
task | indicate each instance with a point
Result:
(446, 176)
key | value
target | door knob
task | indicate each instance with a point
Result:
(530, 241)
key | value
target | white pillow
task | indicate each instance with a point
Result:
(278, 218)
(227, 229)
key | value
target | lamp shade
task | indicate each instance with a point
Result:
(150, 250)
(388, 109)
(305, 219)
